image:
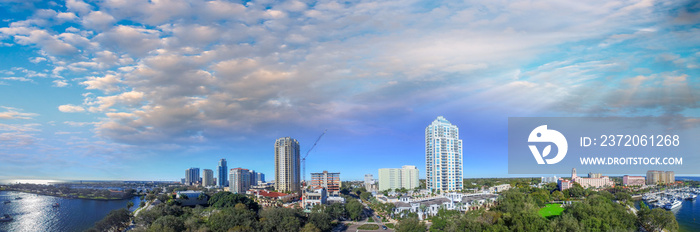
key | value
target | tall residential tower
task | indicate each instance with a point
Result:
(287, 165)
(192, 176)
(443, 156)
(223, 174)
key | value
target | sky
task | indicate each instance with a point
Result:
(142, 90)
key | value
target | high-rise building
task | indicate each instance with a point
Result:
(192, 176)
(660, 177)
(260, 177)
(443, 156)
(396, 178)
(208, 178)
(328, 180)
(239, 179)
(223, 173)
(287, 165)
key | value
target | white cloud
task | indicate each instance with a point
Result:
(60, 83)
(78, 6)
(70, 108)
(36, 60)
(134, 40)
(108, 83)
(66, 16)
(14, 113)
(98, 20)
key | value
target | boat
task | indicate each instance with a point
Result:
(7, 202)
(55, 205)
(18, 198)
(6, 218)
(672, 205)
(691, 197)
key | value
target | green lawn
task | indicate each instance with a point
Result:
(370, 219)
(390, 225)
(551, 210)
(368, 227)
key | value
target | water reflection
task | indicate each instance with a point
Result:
(36, 213)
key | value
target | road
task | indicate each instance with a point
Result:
(369, 213)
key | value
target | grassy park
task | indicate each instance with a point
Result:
(551, 210)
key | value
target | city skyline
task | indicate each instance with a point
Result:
(142, 91)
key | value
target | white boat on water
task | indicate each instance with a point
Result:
(672, 205)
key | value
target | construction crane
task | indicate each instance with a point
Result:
(303, 160)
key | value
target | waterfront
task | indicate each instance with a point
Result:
(35, 212)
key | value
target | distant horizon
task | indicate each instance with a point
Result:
(149, 89)
(3, 181)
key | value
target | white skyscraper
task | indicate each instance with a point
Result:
(287, 165)
(443, 156)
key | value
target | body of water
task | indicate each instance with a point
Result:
(35, 212)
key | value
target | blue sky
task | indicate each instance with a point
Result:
(135, 89)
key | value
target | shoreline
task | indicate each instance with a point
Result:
(67, 197)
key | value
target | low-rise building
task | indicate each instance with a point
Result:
(598, 181)
(499, 188)
(426, 207)
(549, 179)
(317, 196)
(628, 180)
(564, 184)
(191, 197)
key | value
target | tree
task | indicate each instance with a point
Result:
(558, 196)
(310, 228)
(354, 209)
(410, 225)
(541, 197)
(129, 205)
(116, 220)
(239, 217)
(280, 219)
(656, 219)
(336, 211)
(321, 221)
(576, 191)
(142, 204)
(229, 199)
(623, 197)
(168, 223)
(365, 196)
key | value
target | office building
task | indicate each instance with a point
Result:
(223, 173)
(660, 177)
(208, 178)
(628, 180)
(595, 175)
(287, 163)
(328, 180)
(443, 156)
(396, 178)
(192, 176)
(239, 180)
